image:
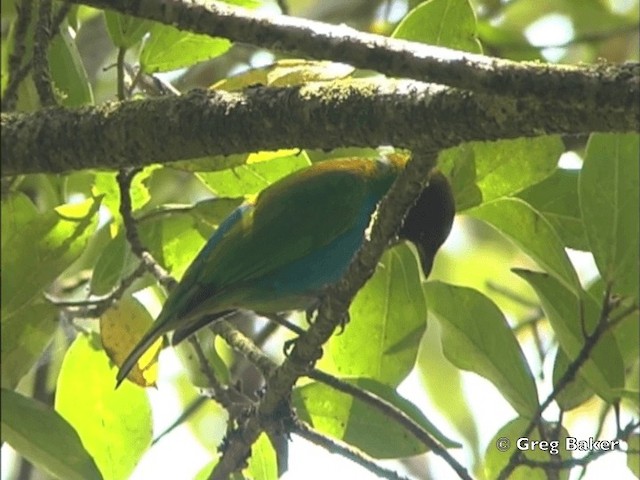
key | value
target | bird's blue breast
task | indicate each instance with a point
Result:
(298, 285)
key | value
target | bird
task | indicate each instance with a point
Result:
(279, 251)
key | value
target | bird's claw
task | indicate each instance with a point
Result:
(288, 346)
(343, 322)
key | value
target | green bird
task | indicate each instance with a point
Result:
(279, 252)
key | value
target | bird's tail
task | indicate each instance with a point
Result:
(143, 345)
(182, 333)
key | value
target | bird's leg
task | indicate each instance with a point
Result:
(287, 346)
(310, 314)
(343, 322)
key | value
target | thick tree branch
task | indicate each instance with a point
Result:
(397, 58)
(365, 113)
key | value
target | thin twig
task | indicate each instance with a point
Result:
(124, 179)
(582, 461)
(344, 449)
(99, 303)
(591, 340)
(243, 345)
(392, 412)
(42, 39)
(219, 390)
(16, 58)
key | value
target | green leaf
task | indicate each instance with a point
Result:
(604, 370)
(576, 392)
(286, 72)
(507, 167)
(359, 424)
(262, 463)
(556, 198)
(633, 460)
(193, 365)
(36, 249)
(626, 334)
(588, 17)
(124, 30)
(115, 425)
(530, 231)
(446, 390)
(497, 458)
(44, 438)
(388, 318)
(460, 166)
(212, 212)
(212, 163)
(67, 70)
(485, 171)
(260, 171)
(105, 183)
(173, 241)
(609, 199)
(511, 44)
(36, 252)
(24, 339)
(168, 48)
(477, 337)
(109, 269)
(446, 23)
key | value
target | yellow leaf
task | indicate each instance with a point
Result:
(121, 327)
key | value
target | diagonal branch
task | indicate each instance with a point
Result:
(397, 58)
(332, 312)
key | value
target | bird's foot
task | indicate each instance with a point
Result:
(343, 322)
(311, 314)
(288, 345)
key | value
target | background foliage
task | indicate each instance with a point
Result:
(545, 228)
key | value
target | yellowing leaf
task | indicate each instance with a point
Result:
(121, 327)
(285, 73)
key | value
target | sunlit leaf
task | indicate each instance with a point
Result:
(262, 463)
(633, 460)
(460, 167)
(284, 73)
(253, 176)
(530, 231)
(121, 327)
(505, 441)
(125, 30)
(345, 417)
(388, 318)
(446, 23)
(67, 70)
(36, 249)
(609, 199)
(114, 425)
(168, 48)
(44, 438)
(556, 198)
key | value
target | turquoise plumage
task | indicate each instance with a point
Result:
(279, 252)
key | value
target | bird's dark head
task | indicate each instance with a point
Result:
(428, 222)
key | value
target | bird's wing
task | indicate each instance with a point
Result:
(290, 220)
